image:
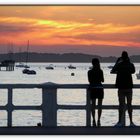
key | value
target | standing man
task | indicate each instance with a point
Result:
(124, 70)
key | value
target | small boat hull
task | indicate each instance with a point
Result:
(49, 68)
(30, 72)
(25, 71)
(22, 66)
(71, 67)
(138, 76)
(110, 67)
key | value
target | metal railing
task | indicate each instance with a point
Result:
(49, 104)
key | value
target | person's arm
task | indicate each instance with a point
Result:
(89, 77)
(132, 70)
(102, 78)
(115, 68)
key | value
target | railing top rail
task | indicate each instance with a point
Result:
(53, 85)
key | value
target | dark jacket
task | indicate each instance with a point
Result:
(124, 71)
(95, 76)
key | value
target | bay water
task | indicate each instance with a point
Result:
(61, 75)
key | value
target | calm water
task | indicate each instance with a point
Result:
(61, 74)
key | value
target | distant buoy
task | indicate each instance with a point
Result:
(72, 74)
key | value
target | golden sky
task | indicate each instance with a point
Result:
(70, 27)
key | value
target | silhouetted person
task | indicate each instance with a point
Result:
(124, 70)
(95, 78)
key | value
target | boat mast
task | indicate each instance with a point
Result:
(10, 51)
(19, 55)
(27, 56)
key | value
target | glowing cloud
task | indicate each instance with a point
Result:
(53, 30)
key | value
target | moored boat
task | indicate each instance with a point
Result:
(30, 72)
(21, 65)
(71, 67)
(110, 67)
(138, 75)
(50, 67)
(25, 71)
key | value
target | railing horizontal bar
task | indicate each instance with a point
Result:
(82, 86)
(64, 107)
(71, 107)
(117, 107)
(3, 107)
(84, 107)
(51, 86)
(22, 108)
(27, 107)
(5, 86)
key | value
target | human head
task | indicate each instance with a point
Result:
(125, 56)
(96, 63)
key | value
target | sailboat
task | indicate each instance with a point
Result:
(50, 67)
(27, 70)
(21, 64)
(27, 55)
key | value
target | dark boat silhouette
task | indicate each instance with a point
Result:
(71, 67)
(30, 72)
(50, 67)
(25, 71)
(110, 67)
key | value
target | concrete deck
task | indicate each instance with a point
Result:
(69, 131)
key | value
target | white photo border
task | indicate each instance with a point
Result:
(62, 2)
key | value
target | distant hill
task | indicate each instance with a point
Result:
(66, 57)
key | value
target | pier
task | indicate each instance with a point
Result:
(49, 109)
(8, 65)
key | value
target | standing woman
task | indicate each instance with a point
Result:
(95, 78)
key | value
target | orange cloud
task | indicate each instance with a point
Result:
(45, 32)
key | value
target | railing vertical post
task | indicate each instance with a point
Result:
(49, 107)
(88, 109)
(10, 107)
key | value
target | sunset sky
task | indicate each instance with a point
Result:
(102, 30)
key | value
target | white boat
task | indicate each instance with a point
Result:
(21, 65)
(26, 66)
(71, 67)
(50, 67)
(110, 67)
(138, 75)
